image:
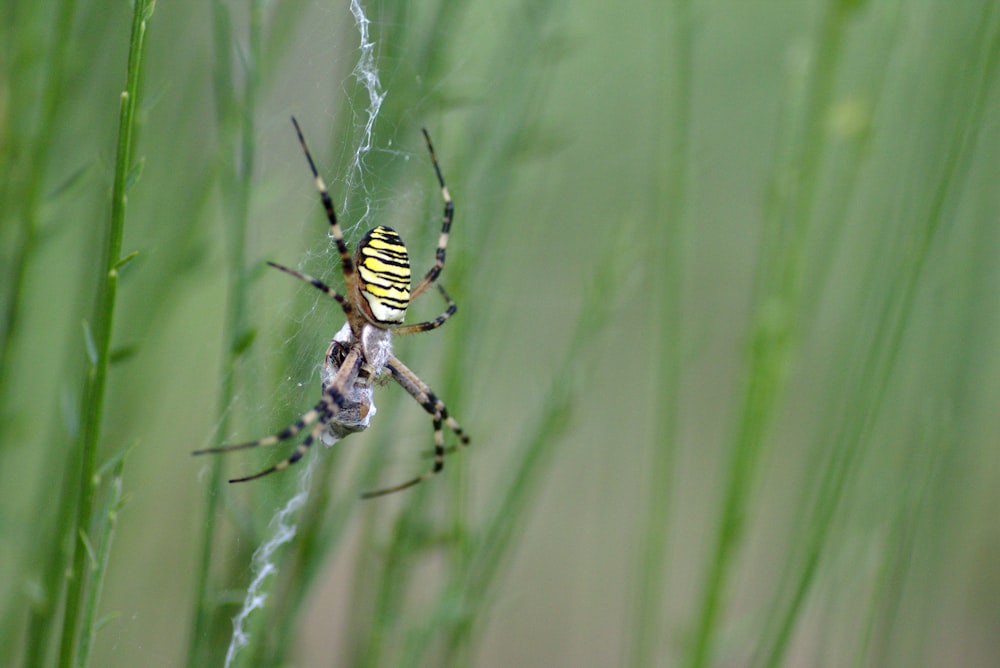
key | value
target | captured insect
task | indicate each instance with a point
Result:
(377, 294)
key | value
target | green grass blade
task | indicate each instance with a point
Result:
(103, 317)
(464, 599)
(235, 120)
(670, 187)
(883, 352)
(30, 197)
(775, 329)
(109, 518)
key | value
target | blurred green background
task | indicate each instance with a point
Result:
(726, 341)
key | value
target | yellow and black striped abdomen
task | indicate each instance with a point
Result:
(383, 266)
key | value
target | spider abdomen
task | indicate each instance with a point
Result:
(383, 266)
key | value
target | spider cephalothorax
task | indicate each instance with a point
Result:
(378, 292)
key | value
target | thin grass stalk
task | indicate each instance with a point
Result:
(515, 100)
(409, 539)
(884, 606)
(907, 625)
(873, 309)
(236, 224)
(882, 355)
(859, 141)
(508, 137)
(235, 121)
(460, 609)
(41, 615)
(459, 531)
(363, 595)
(40, 148)
(50, 548)
(321, 528)
(775, 329)
(460, 541)
(431, 59)
(282, 30)
(414, 536)
(112, 506)
(670, 200)
(103, 317)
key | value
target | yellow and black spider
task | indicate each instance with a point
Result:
(377, 287)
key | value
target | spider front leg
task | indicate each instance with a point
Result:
(419, 390)
(319, 285)
(449, 215)
(346, 261)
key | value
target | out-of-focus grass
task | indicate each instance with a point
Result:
(725, 343)
(90, 533)
(74, 562)
(777, 310)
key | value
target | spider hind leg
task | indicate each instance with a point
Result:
(419, 390)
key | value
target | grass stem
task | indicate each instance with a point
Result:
(102, 319)
(670, 199)
(235, 123)
(775, 327)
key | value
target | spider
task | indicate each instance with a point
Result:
(377, 294)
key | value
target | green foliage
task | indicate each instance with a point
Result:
(725, 345)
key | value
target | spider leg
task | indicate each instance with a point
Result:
(419, 390)
(288, 432)
(430, 324)
(298, 453)
(319, 285)
(346, 261)
(333, 399)
(449, 214)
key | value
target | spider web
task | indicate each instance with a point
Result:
(283, 525)
(366, 73)
(262, 564)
